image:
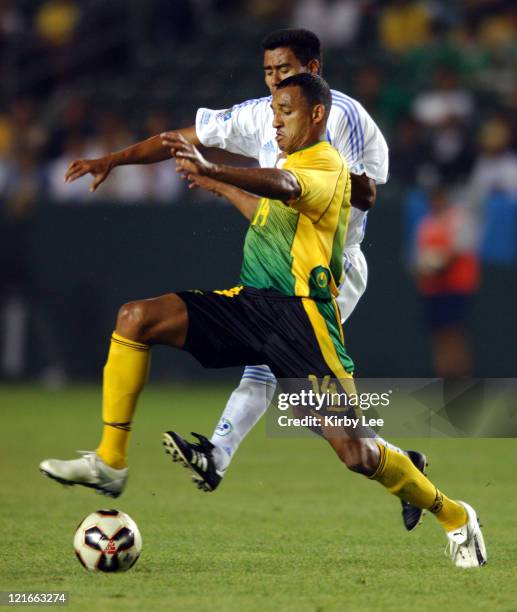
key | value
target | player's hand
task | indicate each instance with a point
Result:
(205, 182)
(173, 140)
(98, 168)
(185, 167)
(188, 158)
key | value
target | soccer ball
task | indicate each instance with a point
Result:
(107, 540)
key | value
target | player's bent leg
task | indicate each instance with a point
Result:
(209, 460)
(350, 292)
(399, 476)
(411, 515)
(360, 455)
(247, 403)
(161, 320)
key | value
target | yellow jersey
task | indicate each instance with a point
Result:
(296, 247)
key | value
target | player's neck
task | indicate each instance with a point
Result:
(310, 143)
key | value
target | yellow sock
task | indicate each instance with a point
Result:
(397, 473)
(125, 374)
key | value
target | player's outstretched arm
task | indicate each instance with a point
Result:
(147, 151)
(243, 201)
(266, 182)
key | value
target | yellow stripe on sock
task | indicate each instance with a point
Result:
(449, 513)
(129, 343)
(382, 461)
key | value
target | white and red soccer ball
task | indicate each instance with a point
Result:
(107, 541)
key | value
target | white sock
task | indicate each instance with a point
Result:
(244, 408)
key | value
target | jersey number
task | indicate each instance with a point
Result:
(262, 213)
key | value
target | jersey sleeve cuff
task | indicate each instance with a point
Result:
(301, 184)
(203, 121)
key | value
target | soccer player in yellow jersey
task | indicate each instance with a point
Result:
(247, 128)
(283, 313)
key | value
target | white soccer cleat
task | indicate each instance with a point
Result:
(466, 545)
(89, 470)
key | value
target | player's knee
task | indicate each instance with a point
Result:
(361, 455)
(133, 318)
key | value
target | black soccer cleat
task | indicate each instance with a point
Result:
(411, 515)
(196, 457)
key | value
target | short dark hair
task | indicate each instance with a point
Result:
(313, 87)
(303, 43)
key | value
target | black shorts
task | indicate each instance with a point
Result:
(296, 337)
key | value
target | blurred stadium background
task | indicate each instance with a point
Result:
(80, 78)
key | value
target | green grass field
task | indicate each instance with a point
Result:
(289, 528)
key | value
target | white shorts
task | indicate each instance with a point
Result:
(354, 282)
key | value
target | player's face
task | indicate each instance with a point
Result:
(292, 119)
(279, 64)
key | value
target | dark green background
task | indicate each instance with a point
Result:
(87, 260)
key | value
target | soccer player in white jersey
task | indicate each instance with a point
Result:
(247, 129)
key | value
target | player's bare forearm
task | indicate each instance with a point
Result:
(244, 202)
(265, 182)
(151, 150)
(147, 151)
(364, 191)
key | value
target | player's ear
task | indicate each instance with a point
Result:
(313, 66)
(318, 113)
